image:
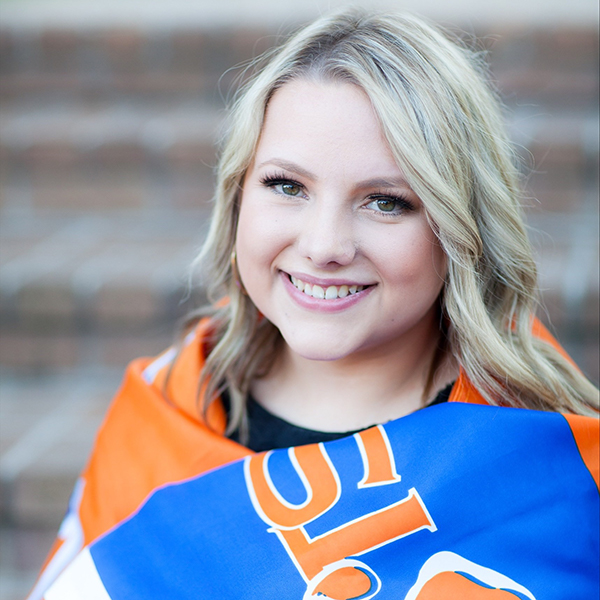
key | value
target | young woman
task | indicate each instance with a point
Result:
(373, 316)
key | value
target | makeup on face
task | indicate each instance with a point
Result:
(333, 245)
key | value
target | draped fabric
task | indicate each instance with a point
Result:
(460, 500)
(455, 501)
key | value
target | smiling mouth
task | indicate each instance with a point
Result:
(332, 292)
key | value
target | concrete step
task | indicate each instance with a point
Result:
(553, 67)
(61, 276)
(109, 56)
(48, 427)
(540, 60)
(550, 67)
(22, 552)
(115, 157)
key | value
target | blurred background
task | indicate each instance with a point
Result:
(109, 115)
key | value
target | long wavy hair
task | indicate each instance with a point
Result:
(444, 125)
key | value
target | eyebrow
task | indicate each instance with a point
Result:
(289, 166)
(394, 182)
(381, 182)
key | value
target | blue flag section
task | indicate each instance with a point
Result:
(453, 501)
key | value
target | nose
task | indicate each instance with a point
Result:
(327, 236)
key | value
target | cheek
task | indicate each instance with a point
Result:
(260, 238)
(413, 258)
(248, 252)
(256, 219)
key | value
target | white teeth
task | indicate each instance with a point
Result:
(318, 292)
(332, 292)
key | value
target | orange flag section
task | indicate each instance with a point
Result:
(317, 474)
(358, 536)
(344, 584)
(586, 431)
(377, 456)
(452, 586)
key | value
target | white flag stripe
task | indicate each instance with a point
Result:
(80, 581)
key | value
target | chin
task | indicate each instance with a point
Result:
(318, 348)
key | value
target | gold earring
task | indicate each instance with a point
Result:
(236, 274)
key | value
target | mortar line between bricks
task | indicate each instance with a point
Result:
(38, 439)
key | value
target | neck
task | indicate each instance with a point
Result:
(370, 387)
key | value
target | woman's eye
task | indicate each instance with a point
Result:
(389, 205)
(285, 187)
(290, 189)
(386, 204)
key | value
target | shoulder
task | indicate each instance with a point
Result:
(153, 434)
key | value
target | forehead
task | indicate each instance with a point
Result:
(321, 123)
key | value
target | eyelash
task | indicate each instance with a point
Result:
(271, 181)
(403, 204)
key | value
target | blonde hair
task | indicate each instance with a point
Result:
(444, 125)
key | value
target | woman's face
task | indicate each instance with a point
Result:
(333, 246)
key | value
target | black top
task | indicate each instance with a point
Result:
(267, 431)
